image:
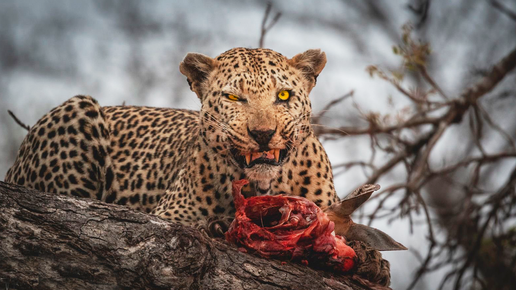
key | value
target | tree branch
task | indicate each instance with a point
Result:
(265, 28)
(26, 127)
(488, 82)
(50, 241)
(503, 9)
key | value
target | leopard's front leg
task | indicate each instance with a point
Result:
(206, 206)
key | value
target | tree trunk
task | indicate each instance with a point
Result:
(59, 242)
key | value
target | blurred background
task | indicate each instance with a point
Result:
(129, 52)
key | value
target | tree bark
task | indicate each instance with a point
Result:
(59, 242)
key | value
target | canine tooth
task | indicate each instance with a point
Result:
(276, 154)
(248, 158)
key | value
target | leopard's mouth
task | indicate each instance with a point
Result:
(249, 159)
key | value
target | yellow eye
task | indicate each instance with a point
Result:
(233, 97)
(284, 95)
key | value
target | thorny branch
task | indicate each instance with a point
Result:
(479, 220)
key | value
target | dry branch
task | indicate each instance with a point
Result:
(26, 127)
(409, 142)
(266, 27)
(59, 242)
(503, 9)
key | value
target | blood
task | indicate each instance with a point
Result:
(287, 228)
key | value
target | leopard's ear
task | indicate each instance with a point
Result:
(310, 63)
(197, 67)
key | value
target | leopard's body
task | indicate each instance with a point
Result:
(179, 164)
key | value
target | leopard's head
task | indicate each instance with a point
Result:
(255, 106)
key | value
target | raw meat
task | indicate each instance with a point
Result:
(288, 228)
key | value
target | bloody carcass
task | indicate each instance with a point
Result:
(288, 228)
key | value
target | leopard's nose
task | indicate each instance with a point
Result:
(262, 137)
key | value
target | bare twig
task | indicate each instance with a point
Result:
(422, 162)
(488, 82)
(26, 127)
(423, 268)
(421, 11)
(496, 127)
(475, 124)
(482, 160)
(376, 129)
(503, 9)
(431, 81)
(317, 118)
(266, 27)
(409, 150)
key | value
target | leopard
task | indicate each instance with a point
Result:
(254, 124)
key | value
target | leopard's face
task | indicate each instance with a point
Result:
(255, 107)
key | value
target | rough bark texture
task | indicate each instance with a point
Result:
(57, 242)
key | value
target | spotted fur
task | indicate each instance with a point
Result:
(179, 164)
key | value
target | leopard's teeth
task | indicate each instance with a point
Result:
(276, 154)
(248, 158)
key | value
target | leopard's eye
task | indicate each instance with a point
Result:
(233, 97)
(283, 95)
